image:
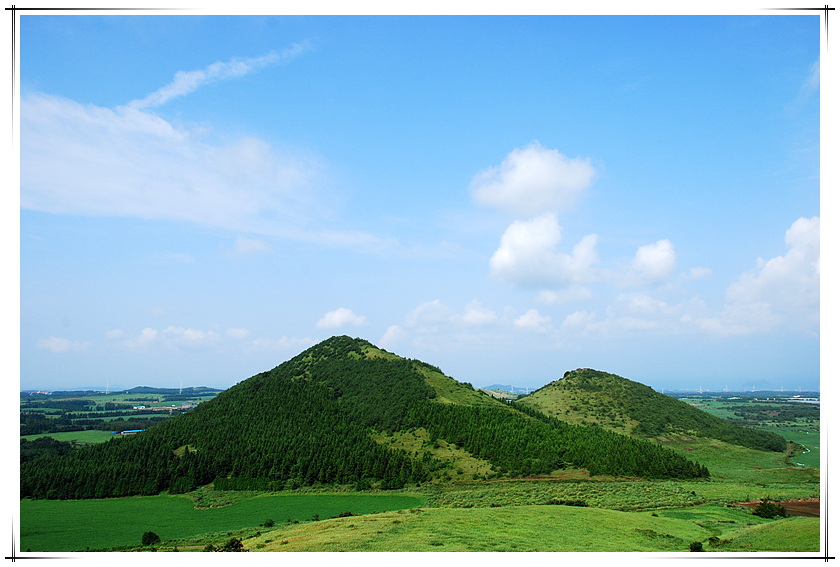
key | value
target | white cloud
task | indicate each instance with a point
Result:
(189, 338)
(477, 314)
(653, 263)
(249, 247)
(528, 255)
(128, 162)
(698, 273)
(59, 345)
(572, 294)
(186, 82)
(782, 290)
(87, 160)
(341, 317)
(392, 337)
(532, 180)
(429, 314)
(534, 322)
(237, 333)
(147, 337)
(578, 319)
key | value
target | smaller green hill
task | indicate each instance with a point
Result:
(591, 396)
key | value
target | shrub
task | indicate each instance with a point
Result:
(695, 546)
(767, 509)
(268, 523)
(234, 544)
(150, 538)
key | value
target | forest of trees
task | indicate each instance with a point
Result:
(308, 421)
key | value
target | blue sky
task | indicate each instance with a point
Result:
(508, 198)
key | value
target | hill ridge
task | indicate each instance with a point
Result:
(312, 420)
(585, 395)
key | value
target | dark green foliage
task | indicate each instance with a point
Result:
(268, 523)
(150, 538)
(558, 502)
(603, 452)
(308, 421)
(43, 447)
(233, 544)
(695, 546)
(768, 509)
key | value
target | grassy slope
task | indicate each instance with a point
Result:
(519, 528)
(542, 528)
(631, 408)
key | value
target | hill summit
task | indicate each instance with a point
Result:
(591, 396)
(326, 417)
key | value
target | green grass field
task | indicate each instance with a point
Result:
(54, 525)
(542, 529)
(85, 437)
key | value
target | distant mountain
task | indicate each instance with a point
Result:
(333, 415)
(591, 396)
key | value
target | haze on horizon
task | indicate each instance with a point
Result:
(507, 198)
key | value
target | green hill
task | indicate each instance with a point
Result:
(628, 407)
(325, 417)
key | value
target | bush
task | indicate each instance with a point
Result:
(767, 509)
(695, 546)
(233, 544)
(268, 523)
(150, 538)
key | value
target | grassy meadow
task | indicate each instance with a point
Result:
(53, 525)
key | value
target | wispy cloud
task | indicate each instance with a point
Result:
(125, 162)
(58, 344)
(186, 82)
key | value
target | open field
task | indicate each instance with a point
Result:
(83, 437)
(465, 521)
(53, 525)
(542, 528)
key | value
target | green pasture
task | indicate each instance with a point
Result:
(84, 437)
(544, 529)
(76, 525)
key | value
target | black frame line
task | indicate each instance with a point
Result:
(825, 9)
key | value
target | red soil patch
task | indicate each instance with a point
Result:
(809, 508)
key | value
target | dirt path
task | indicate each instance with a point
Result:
(809, 508)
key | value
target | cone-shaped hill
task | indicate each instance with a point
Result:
(321, 417)
(590, 396)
